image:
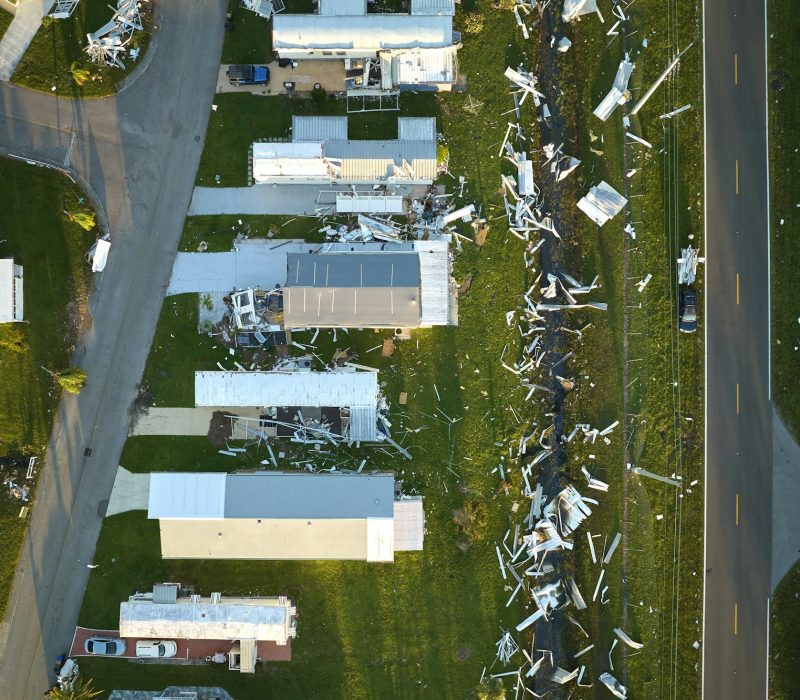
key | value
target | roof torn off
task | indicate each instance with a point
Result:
(602, 203)
(618, 95)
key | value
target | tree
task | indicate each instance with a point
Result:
(72, 379)
(79, 74)
(79, 689)
(85, 218)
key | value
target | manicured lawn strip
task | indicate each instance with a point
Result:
(157, 453)
(5, 19)
(241, 119)
(219, 231)
(60, 42)
(784, 106)
(56, 281)
(250, 39)
(177, 351)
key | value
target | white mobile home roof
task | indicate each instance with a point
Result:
(369, 33)
(263, 619)
(186, 496)
(10, 291)
(319, 389)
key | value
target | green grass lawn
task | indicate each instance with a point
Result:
(219, 231)
(249, 40)
(784, 106)
(5, 20)
(60, 43)
(56, 281)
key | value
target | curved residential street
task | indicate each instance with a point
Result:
(138, 151)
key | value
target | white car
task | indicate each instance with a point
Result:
(154, 648)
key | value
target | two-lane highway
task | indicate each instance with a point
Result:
(738, 405)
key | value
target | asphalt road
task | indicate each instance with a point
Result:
(739, 410)
(139, 151)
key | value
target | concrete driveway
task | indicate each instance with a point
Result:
(138, 151)
(255, 263)
(328, 74)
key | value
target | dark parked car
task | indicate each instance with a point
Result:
(688, 308)
(104, 646)
(248, 75)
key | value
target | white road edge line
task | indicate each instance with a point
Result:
(766, 682)
(769, 222)
(705, 369)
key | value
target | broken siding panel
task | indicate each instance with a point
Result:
(319, 389)
(363, 424)
(318, 128)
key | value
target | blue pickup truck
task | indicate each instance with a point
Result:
(248, 75)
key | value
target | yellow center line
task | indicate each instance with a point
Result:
(736, 69)
(737, 508)
(736, 618)
(737, 289)
(737, 176)
(737, 398)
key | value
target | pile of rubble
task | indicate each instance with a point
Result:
(110, 43)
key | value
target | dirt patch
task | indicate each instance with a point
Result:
(465, 285)
(463, 654)
(219, 429)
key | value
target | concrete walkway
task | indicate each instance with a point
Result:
(256, 263)
(183, 421)
(258, 199)
(19, 34)
(130, 492)
(785, 508)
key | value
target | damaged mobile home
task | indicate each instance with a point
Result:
(305, 405)
(383, 53)
(279, 515)
(320, 153)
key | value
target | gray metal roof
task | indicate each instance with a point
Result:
(416, 129)
(352, 270)
(318, 128)
(278, 495)
(394, 150)
(165, 593)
